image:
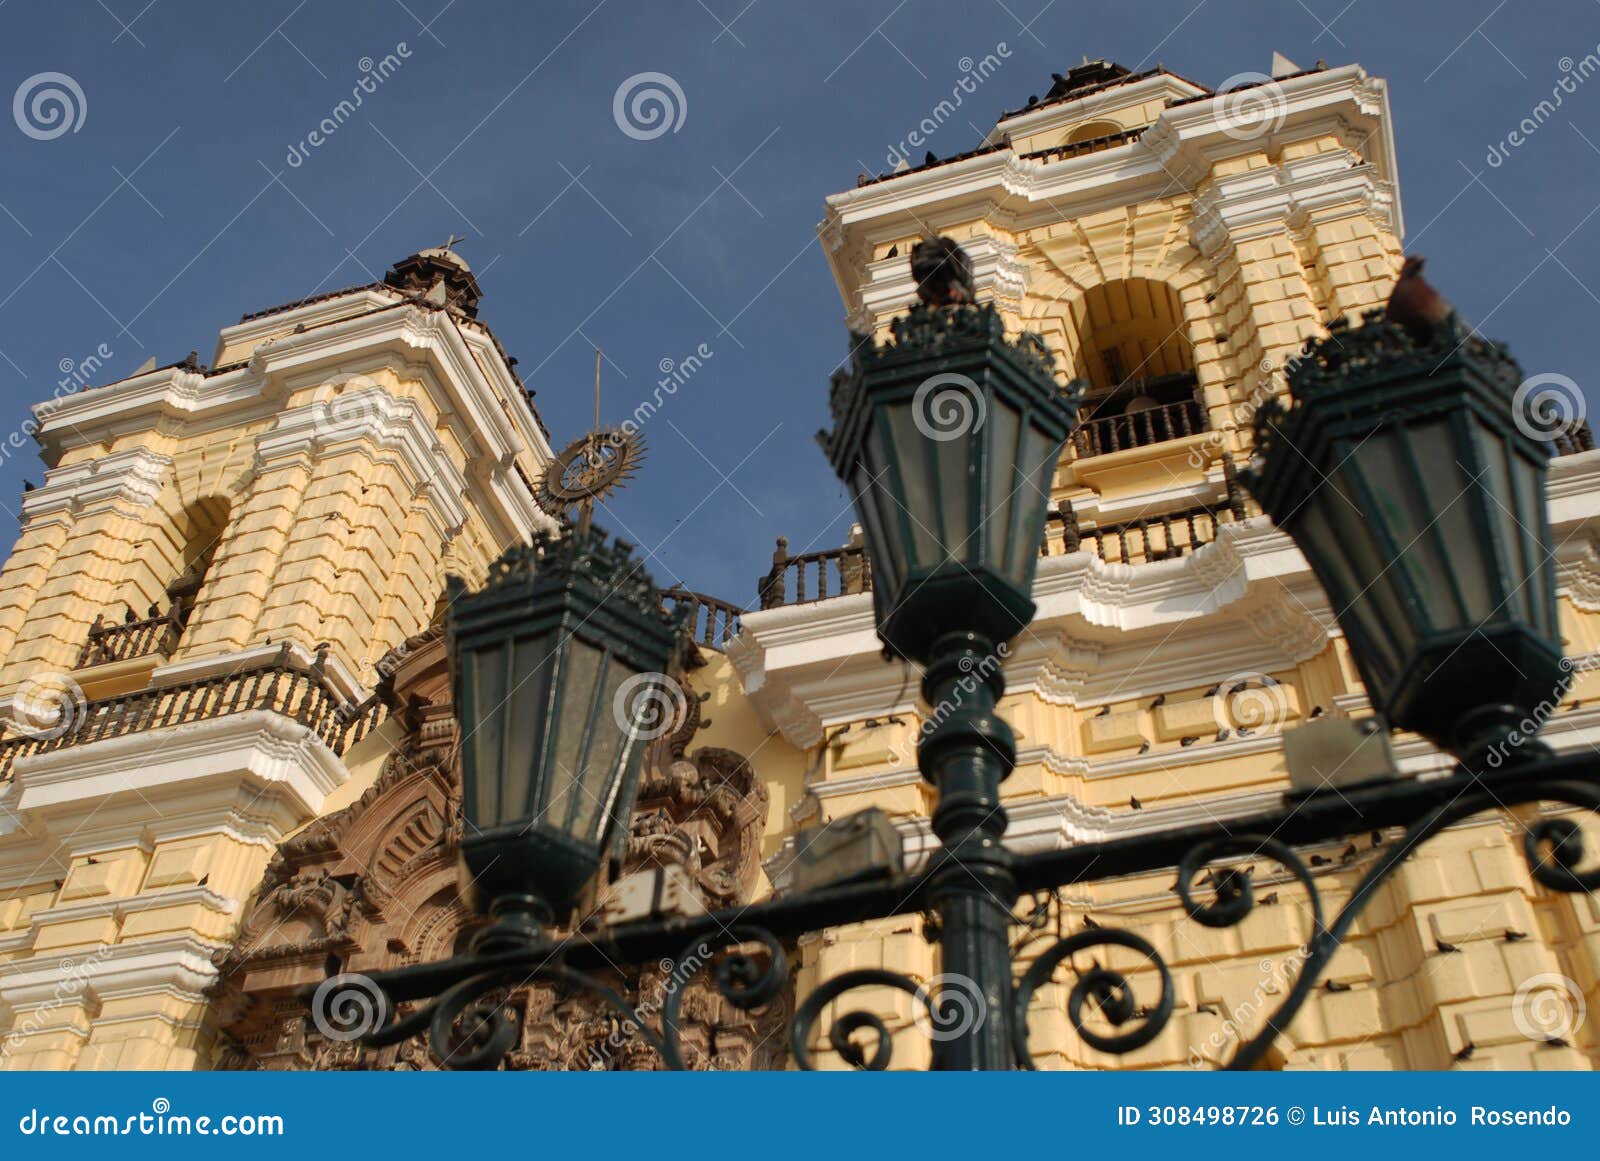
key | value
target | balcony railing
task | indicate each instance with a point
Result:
(813, 576)
(1113, 433)
(282, 685)
(156, 633)
(1575, 437)
(712, 622)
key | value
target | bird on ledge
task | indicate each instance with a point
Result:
(942, 271)
(1415, 305)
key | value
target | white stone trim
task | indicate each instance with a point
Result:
(134, 477)
(372, 418)
(257, 773)
(178, 966)
(469, 396)
(1182, 145)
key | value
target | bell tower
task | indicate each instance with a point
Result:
(192, 623)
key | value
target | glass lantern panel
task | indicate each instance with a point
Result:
(1527, 481)
(1032, 483)
(912, 458)
(1448, 486)
(1396, 482)
(579, 689)
(601, 775)
(875, 508)
(955, 453)
(1500, 502)
(529, 694)
(1351, 560)
(485, 680)
(1003, 444)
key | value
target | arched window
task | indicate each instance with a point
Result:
(1130, 342)
(182, 551)
(1092, 130)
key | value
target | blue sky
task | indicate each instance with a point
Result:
(173, 209)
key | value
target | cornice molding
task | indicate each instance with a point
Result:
(133, 478)
(371, 419)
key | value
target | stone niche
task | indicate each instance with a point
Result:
(374, 886)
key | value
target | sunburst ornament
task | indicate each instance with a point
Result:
(590, 468)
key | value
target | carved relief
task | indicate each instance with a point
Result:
(374, 886)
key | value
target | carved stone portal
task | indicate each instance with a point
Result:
(374, 886)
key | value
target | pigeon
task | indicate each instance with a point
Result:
(1268, 899)
(1134, 803)
(1415, 305)
(1466, 1052)
(1160, 701)
(1317, 711)
(894, 251)
(1556, 1042)
(942, 272)
(930, 158)
(1348, 854)
(1222, 734)
(1444, 947)
(1104, 710)
(1515, 936)
(1144, 745)
(1189, 741)
(1336, 986)
(1320, 861)
(28, 486)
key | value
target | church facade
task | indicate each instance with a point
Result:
(226, 768)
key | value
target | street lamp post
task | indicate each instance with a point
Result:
(948, 437)
(1398, 471)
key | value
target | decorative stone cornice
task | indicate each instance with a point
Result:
(468, 391)
(371, 419)
(133, 478)
(1181, 147)
(256, 774)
